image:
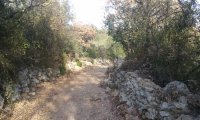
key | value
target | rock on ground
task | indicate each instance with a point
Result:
(1, 102)
(146, 100)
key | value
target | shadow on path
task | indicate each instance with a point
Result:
(77, 97)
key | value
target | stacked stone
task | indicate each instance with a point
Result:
(145, 100)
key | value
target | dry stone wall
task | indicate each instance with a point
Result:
(142, 99)
(28, 80)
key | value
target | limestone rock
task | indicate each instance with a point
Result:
(151, 114)
(1, 102)
(25, 90)
(185, 117)
(115, 93)
(32, 89)
(135, 91)
(35, 80)
(150, 100)
(164, 114)
(32, 93)
(198, 117)
(23, 74)
(168, 118)
(42, 77)
(176, 89)
(108, 89)
(164, 106)
(16, 94)
(49, 72)
(194, 101)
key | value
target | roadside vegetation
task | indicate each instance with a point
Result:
(159, 36)
(37, 33)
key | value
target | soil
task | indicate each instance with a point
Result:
(74, 97)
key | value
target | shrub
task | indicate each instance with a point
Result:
(92, 53)
(62, 70)
(78, 63)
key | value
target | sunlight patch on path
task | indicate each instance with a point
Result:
(71, 98)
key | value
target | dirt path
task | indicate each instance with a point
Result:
(76, 98)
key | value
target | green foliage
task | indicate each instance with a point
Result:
(9, 91)
(92, 52)
(79, 63)
(62, 69)
(32, 35)
(102, 39)
(159, 37)
(88, 41)
(116, 51)
(105, 47)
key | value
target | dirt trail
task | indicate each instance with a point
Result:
(74, 98)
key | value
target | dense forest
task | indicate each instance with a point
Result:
(160, 36)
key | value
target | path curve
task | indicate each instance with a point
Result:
(69, 98)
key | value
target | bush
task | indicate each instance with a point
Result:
(62, 70)
(167, 48)
(62, 67)
(115, 51)
(92, 53)
(78, 63)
